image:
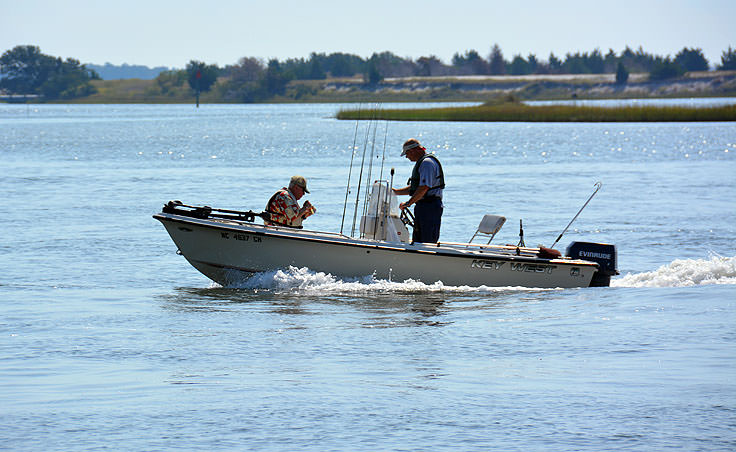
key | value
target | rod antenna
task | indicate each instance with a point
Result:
(370, 170)
(360, 177)
(350, 171)
(597, 186)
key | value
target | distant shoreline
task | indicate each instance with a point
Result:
(429, 89)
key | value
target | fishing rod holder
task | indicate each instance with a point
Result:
(204, 212)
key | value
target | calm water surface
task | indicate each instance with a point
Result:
(112, 341)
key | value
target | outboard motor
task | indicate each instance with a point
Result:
(601, 253)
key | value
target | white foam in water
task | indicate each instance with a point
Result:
(684, 273)
(305, 280)
(679, 273)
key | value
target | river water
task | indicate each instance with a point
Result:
(111, 341)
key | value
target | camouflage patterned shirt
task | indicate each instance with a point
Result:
(284, 209)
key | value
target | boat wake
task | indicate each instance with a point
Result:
(684, 273)
(679, 273)
(306, 280)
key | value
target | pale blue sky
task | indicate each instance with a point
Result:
(170, 33)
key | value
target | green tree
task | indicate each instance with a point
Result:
(246, 82)
(340, 67)
(297, 68)
(168, 81)
(645, 61)
(25, 70)
(555, 64)
(496, 62)
(247, 70)
(478, 65)
(316, 71)
(68, 80)
(595, 62)
(638, 61)
(665, 68)
(692, 59)
(386, 64)
(274, 79)
(391, 65)
(343, 64)
(428, 66)
(576, 64)
(471, 63)
(201, 76)
(610, 61)
(373, 74)
(728, 60)
(519, 66)
(622, 75)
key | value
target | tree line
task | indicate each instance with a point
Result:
(252, 79)
(25, 70)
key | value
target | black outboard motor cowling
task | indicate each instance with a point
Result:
(603, 254)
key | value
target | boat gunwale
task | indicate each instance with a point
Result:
(343, 240)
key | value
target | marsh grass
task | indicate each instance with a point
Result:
(138, 91)
(518, 112)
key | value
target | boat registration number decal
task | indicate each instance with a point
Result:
(513, 266)
(239, 236)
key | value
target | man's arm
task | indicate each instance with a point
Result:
(401, 191)
(419, 194)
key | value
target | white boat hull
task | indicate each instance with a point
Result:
(226, 251)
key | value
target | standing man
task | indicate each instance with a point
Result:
(425, 188)
(284, 205)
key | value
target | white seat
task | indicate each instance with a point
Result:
(489, 225)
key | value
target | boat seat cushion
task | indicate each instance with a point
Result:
(491, 224)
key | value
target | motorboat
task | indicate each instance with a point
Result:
(229, 246)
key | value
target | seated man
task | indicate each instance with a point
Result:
(284, 205)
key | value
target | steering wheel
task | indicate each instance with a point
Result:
(407, 217)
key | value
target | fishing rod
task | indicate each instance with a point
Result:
(360, 177)
(362, 167)
(370, 170)
(383, 157)
(380, 198)
(350, 172)
(597, 186)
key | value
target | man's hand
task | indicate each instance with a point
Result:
(307, 209)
